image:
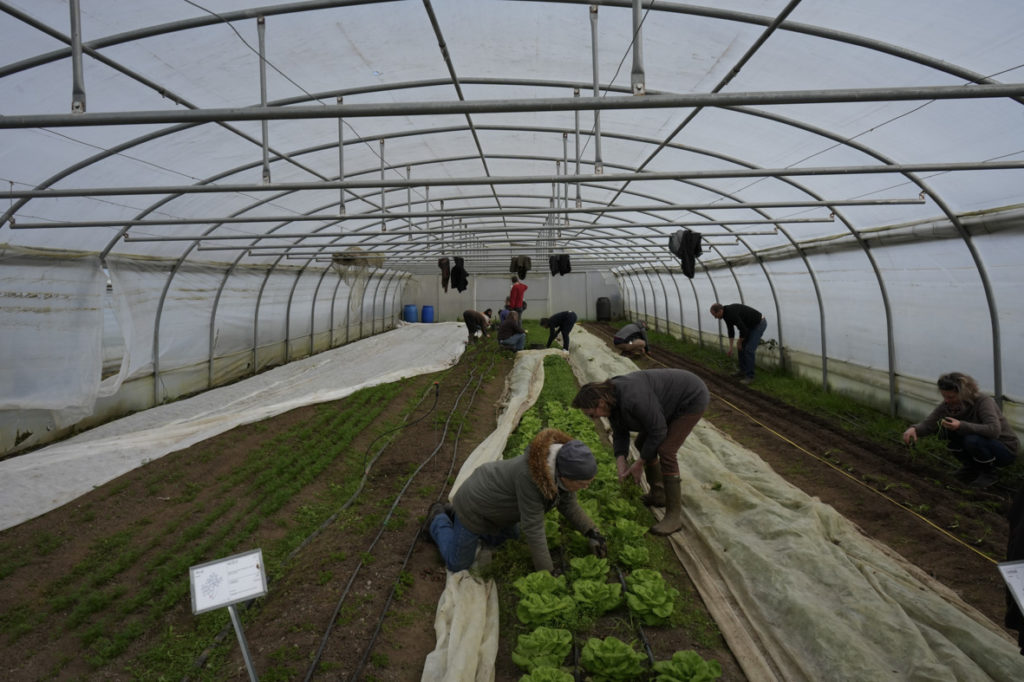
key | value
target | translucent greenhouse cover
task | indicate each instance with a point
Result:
(819, 599)
(854, 170)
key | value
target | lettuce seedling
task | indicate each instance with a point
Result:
(544, 647)
(633, 556)
(546, 609)
(611, 660)
(596, 596)
(588, 568)
(540, 582)
(547, 675)
(650, 598)
(687, 666)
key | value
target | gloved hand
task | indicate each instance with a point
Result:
(598, 545)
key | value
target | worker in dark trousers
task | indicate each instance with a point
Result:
(750, 324)
(559, 323)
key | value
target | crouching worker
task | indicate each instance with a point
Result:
(509, 498)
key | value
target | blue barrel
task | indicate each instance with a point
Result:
(428, 313)
(410, 314)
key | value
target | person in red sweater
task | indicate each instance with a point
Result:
(516, 295)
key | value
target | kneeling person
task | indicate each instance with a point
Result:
(509, 498)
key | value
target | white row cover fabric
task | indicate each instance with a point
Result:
(37, 482)
(825, 601)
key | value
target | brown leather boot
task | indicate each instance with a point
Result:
(673, 519)
(656, 496)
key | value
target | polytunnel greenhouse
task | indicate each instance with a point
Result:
(242, 244)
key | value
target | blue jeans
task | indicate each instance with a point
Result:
(748, 350)
(458, 544)
(514, 342)
(973, 450)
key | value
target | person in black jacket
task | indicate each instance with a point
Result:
(662, 406)
(559, 323)
(751, 325)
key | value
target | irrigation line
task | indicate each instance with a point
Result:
(383, 527)
(219, 638)
(416, 539)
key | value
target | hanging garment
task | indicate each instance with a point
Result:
(460, 278)
(564, 267)
(686, 245)
(445, 271)
(553, 264)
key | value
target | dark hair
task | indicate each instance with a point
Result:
(487, 312)
(716, 308)
(591, 394)
(545, 321)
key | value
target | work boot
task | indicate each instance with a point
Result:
(436, 509)
(655, 497)
(673, 519)
(987, 477)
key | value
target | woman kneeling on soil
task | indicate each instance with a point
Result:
(509, 498)
(663, 406)
(976, 432)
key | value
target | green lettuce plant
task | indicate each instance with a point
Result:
(632, 556)
(687, 666)
(611, 660)
(546, 609)
(540, 582)
(649, 597)
(588, 567)
(596, 596)
(542, 647)
(547, 675)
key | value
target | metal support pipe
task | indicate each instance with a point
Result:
(579, 199)
(261, 29)
(77, 72)
(484, 230)
(576, 179)
(598, 163)
(636, 79)
(472, 213)
(383, 201)
(515, 106)
(341, 161)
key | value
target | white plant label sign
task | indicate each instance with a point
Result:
(1013, 576)
(223, 582)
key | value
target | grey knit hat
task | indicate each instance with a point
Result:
(575, 461)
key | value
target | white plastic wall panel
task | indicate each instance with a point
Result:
(927, 282)
(51, 356)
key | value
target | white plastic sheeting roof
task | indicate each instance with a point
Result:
(857, 166)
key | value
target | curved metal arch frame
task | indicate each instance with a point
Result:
(733, 16)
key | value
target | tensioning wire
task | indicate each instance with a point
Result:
(844, 473)
(854, 478)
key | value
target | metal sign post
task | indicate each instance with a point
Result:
(226, 582)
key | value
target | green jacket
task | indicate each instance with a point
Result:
(520, 490)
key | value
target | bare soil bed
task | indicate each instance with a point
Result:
(357, 601)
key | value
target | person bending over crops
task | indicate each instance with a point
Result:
(477, 322)
(559, 323)
(975, 431)
(509, 498)
(662, 406)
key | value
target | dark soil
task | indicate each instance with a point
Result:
(358, 601)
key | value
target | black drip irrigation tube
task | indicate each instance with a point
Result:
(219, 638)
(337, 609)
